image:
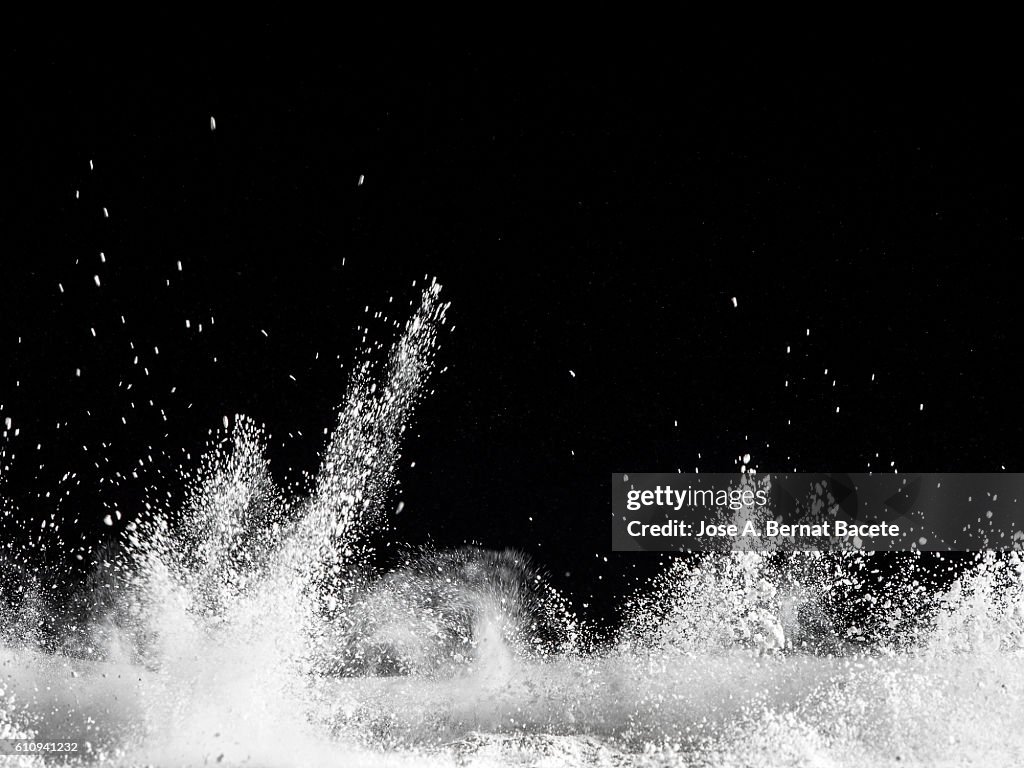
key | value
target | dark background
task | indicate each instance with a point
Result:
(587, 211)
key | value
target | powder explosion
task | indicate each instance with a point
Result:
(250, 628)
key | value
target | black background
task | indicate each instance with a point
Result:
(588, 211)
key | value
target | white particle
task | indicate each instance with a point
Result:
(90, 165)
(179, 266)
(7, 422)
(96, 279)
(922, 407)
(572, 373)
(213, 123)
(362, 178)
(734, 302)
(225, 422)
(746, 458)
(106, 213)
(108, 520)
